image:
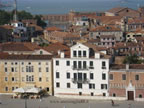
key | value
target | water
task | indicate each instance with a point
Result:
(63, 7)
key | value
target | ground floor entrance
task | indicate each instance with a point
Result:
(130, 95)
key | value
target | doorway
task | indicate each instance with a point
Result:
(130, 95)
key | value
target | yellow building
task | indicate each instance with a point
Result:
(25, 71)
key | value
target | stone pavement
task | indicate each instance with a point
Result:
(53, 102)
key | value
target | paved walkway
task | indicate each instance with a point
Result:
(53, 102)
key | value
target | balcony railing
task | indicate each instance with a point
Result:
(84, 81)
(103, 67)
(79, 68)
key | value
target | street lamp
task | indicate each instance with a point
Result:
(25, 102)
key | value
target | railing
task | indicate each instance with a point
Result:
(103, 67)
(79, 68)
(84, 81)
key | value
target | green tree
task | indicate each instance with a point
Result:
(24, 15)
(39, 21)
(132, 59)
(4, 17)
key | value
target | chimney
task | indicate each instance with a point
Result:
(127, 67)
(97, 55)
(62, 55)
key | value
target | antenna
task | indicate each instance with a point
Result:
(15, 10)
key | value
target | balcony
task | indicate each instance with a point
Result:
(79, 68)
(103, 67)
(91, 67)
(84, 81)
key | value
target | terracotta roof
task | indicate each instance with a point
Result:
(123, 66)
(55, 47)
(116, 9)
(18, 46)
(4, 56)
(53, 29)
(9, 27)
(135, 20)
(63, 34)
(93, 40)
(37, 28)
(105, 29)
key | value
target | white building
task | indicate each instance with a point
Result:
(82, 71)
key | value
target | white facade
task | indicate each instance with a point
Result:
(80, 74)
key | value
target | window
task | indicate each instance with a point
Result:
(40, 79)
(68, 75)
(123, 76)
(15, 69)
(39, 69)
(29, 63)
(57, 75)
(79, 53)
(74, 53)
(103, 76)
(29, 69)
(103, 86)
(103, 65)
(57, 84)
(39, 63)
(15, 63)
(68, 63)
(111, 76)
(6, 78)
(5, 63)
(12, 69)
(6, 88)
(104, 94)
(140, 95)
(91, 86)
(79, 85)
(6, 69)
(91, 76)
(22, 63)
(47, 69)
(57, 63)
(84, 65)
(41, 52)
(79, 64)
(136, 77)
(13, 88)
(84, 53)
(114, 95)
(75, 76)
(47, 88)
(80, 93)
(13, 79)
(68, 85)
(92, 94)
(22, 69)
(74, 64)
(91, 63)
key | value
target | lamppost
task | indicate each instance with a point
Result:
(25, 102)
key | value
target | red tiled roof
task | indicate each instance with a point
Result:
(5, 56)
(105, 29)
(18, 46)
(53, 29)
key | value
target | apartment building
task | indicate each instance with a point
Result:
(81, 71)
(25, 71)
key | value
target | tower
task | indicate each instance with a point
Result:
(15, 10)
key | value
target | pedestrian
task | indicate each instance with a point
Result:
(112, 102)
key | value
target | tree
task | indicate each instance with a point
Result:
(24, 15)
(4, 17)
(39, 21)
(132, 59)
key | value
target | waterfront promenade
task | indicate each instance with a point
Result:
(53, 102)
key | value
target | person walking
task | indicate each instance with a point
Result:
(112, 102)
